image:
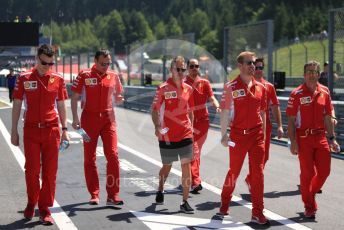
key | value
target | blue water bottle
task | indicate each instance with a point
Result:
(83, 134)
(63, 146)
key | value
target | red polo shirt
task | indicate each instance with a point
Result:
(271, 98)
(202, 91)
(173, 105)
(97, 90)
(40, 94)
(309, 109)
(244, 105)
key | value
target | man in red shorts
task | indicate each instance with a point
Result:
(97, 87)
(202, 93)
(309, 114)
(44, 93)
(244, 102)
(272, 100)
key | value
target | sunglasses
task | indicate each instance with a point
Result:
(105, 64)
(180, 70)
(312, 71)
(46, 63)
(259, 67)
(248, 62)
(194, 66)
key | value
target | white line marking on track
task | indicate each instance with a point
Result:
(61, 219)
(159, 221)
(127, 166)
(273, 216)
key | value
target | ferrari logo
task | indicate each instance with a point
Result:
(51, 80)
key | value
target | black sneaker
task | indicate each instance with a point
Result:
(196, 189)
(186, 208)
(159, 198)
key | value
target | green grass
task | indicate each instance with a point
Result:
(316, 50)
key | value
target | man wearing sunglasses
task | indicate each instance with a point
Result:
(202, 93)
(272, 100)
(99, 89)
(310, 114)
(44, 93)
(243, 104)
(172, 117)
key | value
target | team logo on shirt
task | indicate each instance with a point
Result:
(91, 81)
(170, 95)
(108, 77)
(30, 85)
(238, 93)
(51, 80)
(305, 100)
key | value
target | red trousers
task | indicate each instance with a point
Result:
(200, 135)
(103, 125)
(315, 163)
(253, 144)
(41, 146)
(266, 151)
(267, 142)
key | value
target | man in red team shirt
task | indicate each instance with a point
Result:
(244, 104)
(97, 87)
(202, 93)
(172, 117)
(309, 114)
(43, 91)
(272, 100)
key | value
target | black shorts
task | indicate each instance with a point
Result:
(170, 151)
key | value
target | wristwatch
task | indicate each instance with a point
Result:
(332, 138)
(64, 128)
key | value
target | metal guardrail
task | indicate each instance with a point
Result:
(141, 98)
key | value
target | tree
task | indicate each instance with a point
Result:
(160, 30)
(198, 22)
(173, 28)
(138, 28)
(210, 42)
(281, 21)
(115, 30)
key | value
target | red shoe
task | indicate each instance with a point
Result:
(309, 213)
(94, 200)
(29, 211)
(114, 202)
(45, 217)
(260, 219)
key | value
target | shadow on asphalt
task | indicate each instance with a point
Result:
(21, 224)
(72, 209)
